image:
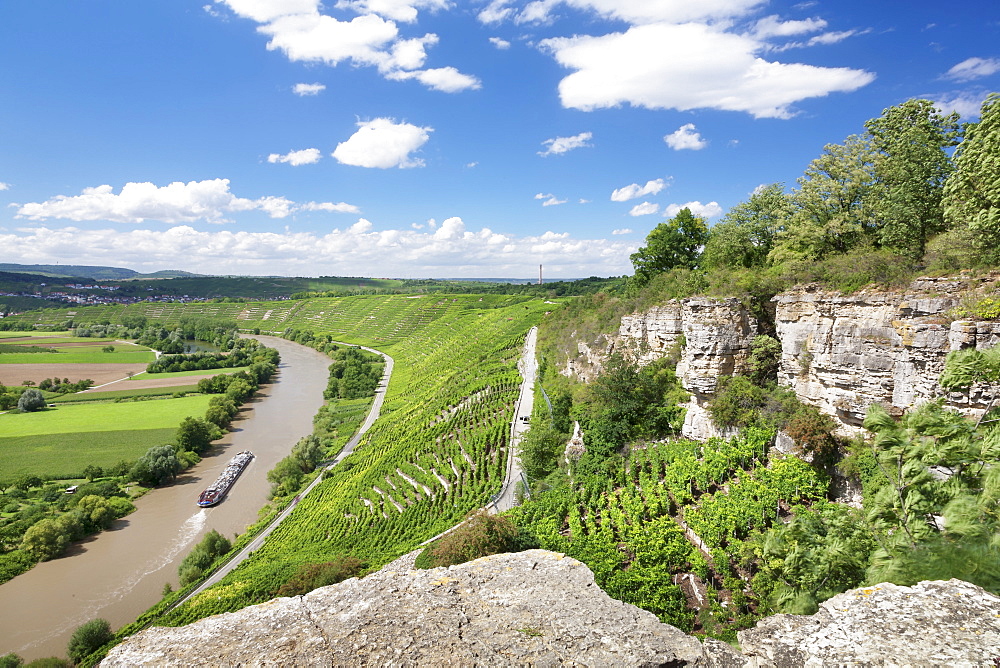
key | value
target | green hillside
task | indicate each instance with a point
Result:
(438, 451)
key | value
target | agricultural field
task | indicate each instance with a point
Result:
(159, 390)
(64, 440)
(75, 358)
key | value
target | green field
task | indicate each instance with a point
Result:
(94, 357)
(72, 420)
(48, 341)
(60, 456)
(77, 397)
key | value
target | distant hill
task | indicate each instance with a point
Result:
(94, 273)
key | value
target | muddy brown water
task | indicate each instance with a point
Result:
(120, 573)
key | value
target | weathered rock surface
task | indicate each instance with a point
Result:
(934, 623)
(541, 608)
(535, 607)
(840, 353)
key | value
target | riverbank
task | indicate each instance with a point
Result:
(121, 573)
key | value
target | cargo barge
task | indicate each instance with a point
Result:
(217, 491)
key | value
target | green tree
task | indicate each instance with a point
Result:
(931, 526)
(745, 235)
(10, 660)
(674, 243)
(26, 481)
(46, 539)
(31, 400)
(972, 193)
(911, 166)
(92, 471)
(158, 465)
(95, 512)
(88, 638)
(195, 434)
(829, 212)
(313, 576)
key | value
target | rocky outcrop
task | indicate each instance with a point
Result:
(934, 623)
(535, 607)
(710, 337)
(542, 608)
(842, 353)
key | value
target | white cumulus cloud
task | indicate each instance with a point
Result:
(773, 26)
(685, 137)
(383, 143)
(974, 68)
(445, 79)
(629, 11)
(177, 202)
(686, 66)
(709, 210)
(622, 230)
(397, 10)
(304, 89)
(644, 209)
(298, 29)
(499, 43)
(967, 104)
(560, 145)
(263, 11)
(4, 186)
(550, 199)
(635, 190)
(306, 156)
(339, 207)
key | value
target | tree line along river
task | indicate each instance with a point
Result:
(119, 573)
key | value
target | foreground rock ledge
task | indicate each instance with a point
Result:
(534, 607)
(544, 609)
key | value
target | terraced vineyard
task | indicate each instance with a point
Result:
(680, 508)
(438, 451)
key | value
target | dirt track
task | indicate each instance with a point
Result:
(141, 383)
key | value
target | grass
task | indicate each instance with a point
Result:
(121, 394)
(75, 419)
(59, 456)
(55, 340)
(97, 357)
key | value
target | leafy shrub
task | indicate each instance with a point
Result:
(212, 546)
(313, 576)
(88, 638)
(480, 535)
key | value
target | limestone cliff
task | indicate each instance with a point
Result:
(842, 353)
(541, 608)
(839, 352)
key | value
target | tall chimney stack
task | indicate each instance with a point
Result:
(539, 274)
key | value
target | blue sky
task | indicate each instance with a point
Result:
(431, 138)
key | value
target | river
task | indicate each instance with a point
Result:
(119, 573)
